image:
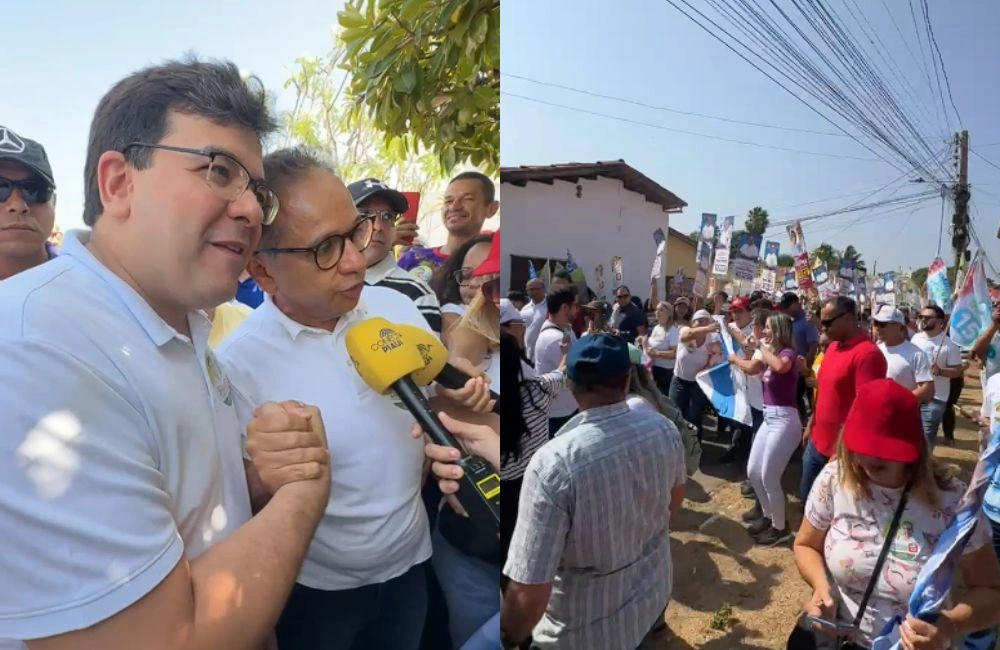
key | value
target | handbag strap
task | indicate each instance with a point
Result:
(889, 537)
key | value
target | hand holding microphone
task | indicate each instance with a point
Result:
(462, 382)
(387, 361)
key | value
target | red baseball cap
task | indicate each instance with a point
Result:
(740, 302)
(491, 265)
(884, 423)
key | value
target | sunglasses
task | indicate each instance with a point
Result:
(830, 321)
(33, 190)
(927, 317)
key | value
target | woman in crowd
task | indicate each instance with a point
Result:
(781, 432)
(593, 317)
(476, 336)
(682, 311)
(697, 344)
(458, 287)
(661, 346)
(644, 395)
(512, 322)
(524, 426)
(883, 463)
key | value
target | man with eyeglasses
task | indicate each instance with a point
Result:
(373, 198)
(362, 584)
(945, 359)
(627, 320)
(27, 204)
(126, 503)
(851, 361)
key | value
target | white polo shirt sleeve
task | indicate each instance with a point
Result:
(86, 524)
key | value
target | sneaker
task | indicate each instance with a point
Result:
(759, 527)
(753, 514)
(747, 490)
(772, 536)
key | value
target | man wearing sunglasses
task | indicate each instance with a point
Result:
(126, 504)
(362, 584)
(373, 198)
(27, 204)
(851, 360)
(945, 359)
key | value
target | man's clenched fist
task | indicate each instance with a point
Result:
(286, 443)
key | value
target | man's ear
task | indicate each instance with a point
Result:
(492, 210)
(259, 272)
(114, 183)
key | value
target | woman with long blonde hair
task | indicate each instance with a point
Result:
(884, 466)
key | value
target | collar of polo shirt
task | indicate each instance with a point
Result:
(295, 328)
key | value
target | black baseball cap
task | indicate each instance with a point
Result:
(361, 191)
(788, 299)
(25, 152)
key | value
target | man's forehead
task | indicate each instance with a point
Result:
(463, 186)
(375, 203)
(199, 132)
(316, 205)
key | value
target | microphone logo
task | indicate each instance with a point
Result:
(425, 353)
(388, 340)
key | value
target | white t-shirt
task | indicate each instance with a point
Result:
(638, 403)
(548, 357)
(908, 365)
(120, 450)
(663, 339)
(855, 531)
(692, 359)
(947, 354)
(375, 526)
(534, 316)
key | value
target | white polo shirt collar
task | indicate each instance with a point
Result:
(295, 328)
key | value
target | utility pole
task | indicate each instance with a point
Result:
(960, 192)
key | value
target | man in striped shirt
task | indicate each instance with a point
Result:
(589, 564)
(372, 196)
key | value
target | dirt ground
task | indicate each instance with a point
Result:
(717, 568)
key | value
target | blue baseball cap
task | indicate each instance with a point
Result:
(604, 353)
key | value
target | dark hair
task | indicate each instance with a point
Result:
(622, 286)
(787, 300)
(282, 169)
(588, 379)
(517, 296)
(556, 299)
(563, 274)
(843, 304)
(448, 290)
(513, 427)
(756, 295)
(759, 316)
(937, 310)
(489, 189)
(137, 108)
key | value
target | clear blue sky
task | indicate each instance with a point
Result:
(646, 51)
(61, 56)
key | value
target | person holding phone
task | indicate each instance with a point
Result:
(883, 472)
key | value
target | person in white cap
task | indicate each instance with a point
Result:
(907, 364)
(698, 343)
(512, 322)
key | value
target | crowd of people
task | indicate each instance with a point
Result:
(190, 458)
(859, 397)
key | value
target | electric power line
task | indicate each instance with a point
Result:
(674, 130)
(633, 102)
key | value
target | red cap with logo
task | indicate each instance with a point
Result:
(740, 302)
(884, 423)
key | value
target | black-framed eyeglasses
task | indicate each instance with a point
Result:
(328, 252)
(227, 177)
(382, 217)
(33, 190)
(830, 321)
(462, 276)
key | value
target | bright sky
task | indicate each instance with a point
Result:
(646, 51)
(71, 52)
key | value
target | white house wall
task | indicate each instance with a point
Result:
(544, 220)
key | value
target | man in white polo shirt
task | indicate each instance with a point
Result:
(125, 508)
(907, 364)
(363, 582)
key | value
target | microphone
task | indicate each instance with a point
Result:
(436, 366)
(387, 361)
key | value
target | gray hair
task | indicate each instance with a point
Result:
(284, 168)
(137, 108)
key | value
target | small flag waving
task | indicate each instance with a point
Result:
(937, 576)
(532, 273)
(938, 287)
(972, 314)
(725, 385)
(570, 262)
